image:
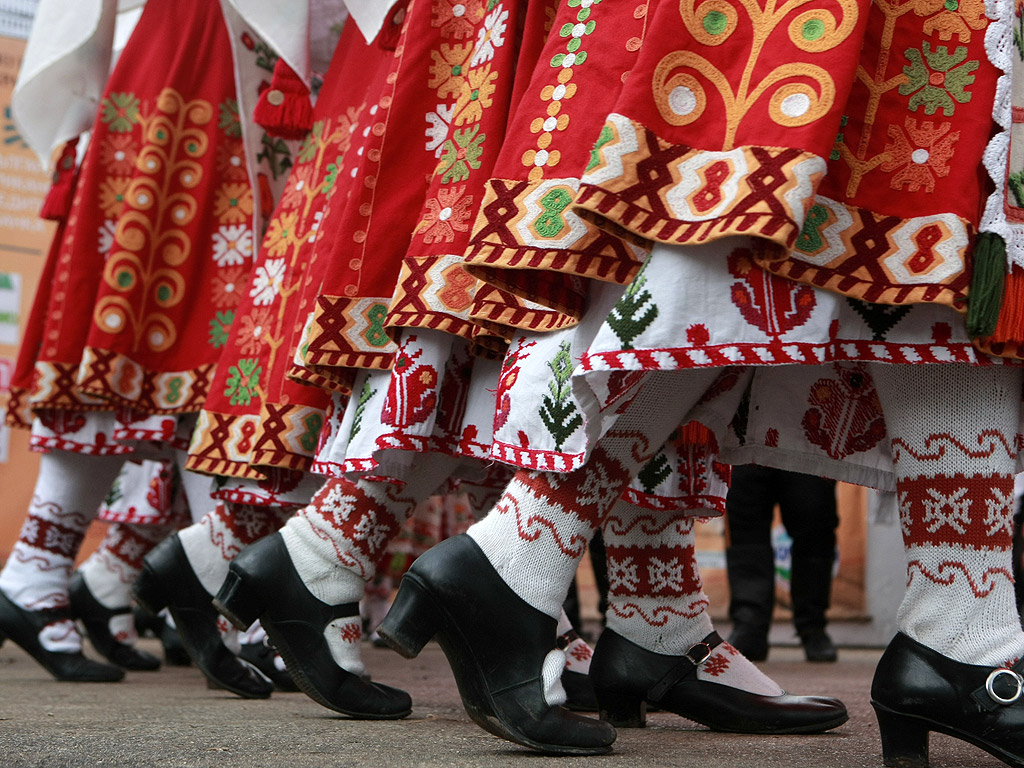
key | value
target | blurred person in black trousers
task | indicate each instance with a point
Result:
(808, 507)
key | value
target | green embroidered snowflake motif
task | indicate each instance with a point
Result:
(244, 381)
(655, 472)
(311, 143)
(603, 138)
(219, 327)
(559, 412)
(633, 313)
(364, 398)
(229, 121)
(938, 78)
(276, 154)
(333, 169)
(461, 155)
(120, 112)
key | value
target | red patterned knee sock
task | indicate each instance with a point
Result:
(537, 532)
(953, 431)
(211, 544)
(656, 596)
(66, 499)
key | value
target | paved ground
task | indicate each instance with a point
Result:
(169, 719)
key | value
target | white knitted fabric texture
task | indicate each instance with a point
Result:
(953, 432)
(210, 546)
(66, 499)
(656, 597)
(537, 532)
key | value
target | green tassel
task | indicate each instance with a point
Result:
(987, 278)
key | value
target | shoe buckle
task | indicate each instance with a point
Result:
(696, 648)
(990, 686)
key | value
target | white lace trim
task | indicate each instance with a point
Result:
(999, 46)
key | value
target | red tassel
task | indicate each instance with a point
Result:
(57, 204)
(1008, 338)
(284, 109)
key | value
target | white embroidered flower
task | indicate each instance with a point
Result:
(490, 37)
(107, 229)
(439, 122)
(266, 283)
(232, 245)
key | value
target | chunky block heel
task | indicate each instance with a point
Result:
(148, 591)
(412, 620)
(236, 603)
(904, 739)
(623, 710)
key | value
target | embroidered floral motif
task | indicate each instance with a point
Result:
(446, 214)
(232, 245)
(219, 327)
(251, 328)
(266, 282)
(120, 112)
(475, 95)
(919, 154)
(456, 18)
(243, 381)
(119, 155)
(228, 286)
(461, 153)
(229, 121)
(491, 36)
(232, 203)
(448, 70)
(938, 79)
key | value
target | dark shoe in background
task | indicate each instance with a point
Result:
(818, 647)
(750, 642)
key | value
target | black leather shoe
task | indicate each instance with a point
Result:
(818, 647)
(916, 690)
(262, 584)
(168, 581)
(95, 617)
(749, 642)
(23, 627)
(147, 624)
(627, 677)
(261, 655)
(496, 645)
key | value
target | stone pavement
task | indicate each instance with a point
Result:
(170, 719)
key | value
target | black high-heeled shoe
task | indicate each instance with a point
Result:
(149, 625)
(95, 617)
(496, 645)
(168, 581)
(916, 690)
(23, 627)
(262, 584)
(627, 677)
